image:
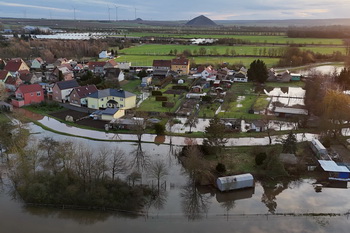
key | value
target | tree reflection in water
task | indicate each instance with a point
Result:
(141, 160)
(79, 216)
(194, 204)
(270, 193)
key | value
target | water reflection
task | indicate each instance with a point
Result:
(194, 204)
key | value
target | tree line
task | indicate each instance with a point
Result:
(320, 32)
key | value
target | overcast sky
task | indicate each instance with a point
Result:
(176, 9)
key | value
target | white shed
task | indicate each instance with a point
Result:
(228, 183)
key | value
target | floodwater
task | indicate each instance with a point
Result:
(287, 96)
(185, 208)
(174, 140)
(326, 69)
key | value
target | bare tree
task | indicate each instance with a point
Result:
(117, 162)
(158, 171)
(191, 121)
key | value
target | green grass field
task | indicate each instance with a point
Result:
(131, 85)
(251, 38)
(164, 50)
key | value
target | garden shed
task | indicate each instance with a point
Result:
(228, 183)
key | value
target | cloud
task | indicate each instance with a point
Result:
(34, 6)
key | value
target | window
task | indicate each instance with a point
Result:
(121, 99)
(38, 93)
(31, 94)
(101, 99)
(121, 105)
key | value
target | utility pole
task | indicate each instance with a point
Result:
(109, 14)
(116, 13)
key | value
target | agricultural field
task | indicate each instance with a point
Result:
(263, 39)
(242, 50)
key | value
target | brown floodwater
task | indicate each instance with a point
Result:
(290, 206)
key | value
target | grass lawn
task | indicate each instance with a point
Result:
(151, 104)
(239, 108)
(131, 85)
(3, 117)
(44, 108)
(208, 110)
(260, 103)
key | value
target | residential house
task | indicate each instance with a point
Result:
(61, 90)
(60, 61)
(63, 73)
(15, 65)
(181, 66)
(239, 77)
(222, 73)
(104, 54)
(124, 65)
(209, 73)
(28, 94)
(78, 95)
(279, 77)
(162, 65)
(28, 77)
(114, 74)
(96, 67)
(37, 63)
(110, 64)
(12, 82)
(111, 98)
(3, 75)
(78, 68)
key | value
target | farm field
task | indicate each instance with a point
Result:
(155, 49)
(282, 39)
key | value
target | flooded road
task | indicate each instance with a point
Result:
(175, 140)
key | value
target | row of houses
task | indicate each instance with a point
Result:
(83, 96)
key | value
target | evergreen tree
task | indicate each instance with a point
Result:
(258, 71)
(215, 134)
(290, 144)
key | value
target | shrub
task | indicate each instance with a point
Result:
(206, 98)
(260, 158)
(168, 104)
(161, 98)
(159, 128)
(157, 93)
(221, 168)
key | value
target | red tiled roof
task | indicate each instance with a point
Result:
(29, 88)
(69, 66)
(85, 90)
(180, 61)
(11, 80)
(162, 63)
(3, 74)
(93, 64)
(112, 62)
(40, 60)
(13, 65)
